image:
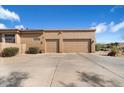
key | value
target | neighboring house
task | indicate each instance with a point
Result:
(55, 41)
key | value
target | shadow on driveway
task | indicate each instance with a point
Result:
(67, 85)
(14, 79)
(96, 80)
(93, 79)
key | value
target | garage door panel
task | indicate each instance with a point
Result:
(76, 45)
(52, 45)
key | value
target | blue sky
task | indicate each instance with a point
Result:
(107, 20)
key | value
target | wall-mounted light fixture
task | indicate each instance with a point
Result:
(92, 41)
(59, 32)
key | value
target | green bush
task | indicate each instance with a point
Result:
(113, 51)
(10, 51)
(98, 47)
(33, 50)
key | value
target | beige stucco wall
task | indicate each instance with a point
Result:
(52, 35)
(22, 47)
(17, 43)
(28, 39)
(18, 39)
(71, 35)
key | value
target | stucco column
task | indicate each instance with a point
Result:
(60, 42)
(3, 42)
(3, 38)
(92, 45)
(43, 43)
(17, 39)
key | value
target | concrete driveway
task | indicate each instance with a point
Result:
(62, 70)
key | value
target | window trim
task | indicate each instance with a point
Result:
(10, 39)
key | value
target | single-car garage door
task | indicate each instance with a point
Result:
(52, 45)
(76, 45)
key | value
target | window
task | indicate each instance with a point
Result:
(10, 38)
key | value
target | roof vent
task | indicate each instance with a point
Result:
(21, 28)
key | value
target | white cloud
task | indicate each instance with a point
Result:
(116, 7)
(100, 27)
(8, 15)
(116, 27)
(112, 27)
(2, 26)
(19, 27)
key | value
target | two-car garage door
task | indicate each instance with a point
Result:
(76, 45)
(68, 46)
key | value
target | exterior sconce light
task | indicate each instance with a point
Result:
(92, 41)
(59, 33)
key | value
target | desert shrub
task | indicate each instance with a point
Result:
(113, 51)
(101, 47)
(33, 50)
(10, 51)
(98, 47)
(122, 49)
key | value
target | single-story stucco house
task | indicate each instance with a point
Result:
(49, 41)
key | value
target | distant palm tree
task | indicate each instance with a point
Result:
(114, 44)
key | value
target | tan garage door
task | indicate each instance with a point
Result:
(76, 45)
(52, 45)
